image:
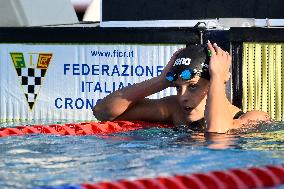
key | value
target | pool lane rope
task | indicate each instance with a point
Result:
(85, 128)
(256, 177)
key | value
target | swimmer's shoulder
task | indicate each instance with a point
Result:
(252, 117)
(256, 115)
(249, 120)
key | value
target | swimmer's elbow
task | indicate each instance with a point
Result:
(97, 113)
(101, 114)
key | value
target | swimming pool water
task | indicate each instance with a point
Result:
(45, 160)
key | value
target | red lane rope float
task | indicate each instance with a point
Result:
(85, 128)
(256, 177)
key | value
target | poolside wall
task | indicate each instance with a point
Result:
(186, 13)
(62, 72)
(125, 10)
(141, 53)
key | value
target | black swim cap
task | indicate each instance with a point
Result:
(195, 58)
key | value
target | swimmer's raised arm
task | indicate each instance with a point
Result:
(218, 116)
(219, 113)
(120, 101)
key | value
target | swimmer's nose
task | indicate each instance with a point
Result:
(183, 95)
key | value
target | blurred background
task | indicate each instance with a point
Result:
(81, 7)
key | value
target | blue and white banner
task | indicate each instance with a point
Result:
(42, 81)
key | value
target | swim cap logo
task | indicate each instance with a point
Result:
(182, 61)
(31, 75)
(205, 65)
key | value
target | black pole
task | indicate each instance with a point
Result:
(237, 73)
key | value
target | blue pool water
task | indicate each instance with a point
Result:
(44, 160)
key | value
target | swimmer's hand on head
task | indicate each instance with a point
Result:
(130, 103)
(167, 68)
(220, 63)
(219, 111)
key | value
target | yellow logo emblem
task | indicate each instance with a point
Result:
(31, 75)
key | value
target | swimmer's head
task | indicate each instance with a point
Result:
(190, 62)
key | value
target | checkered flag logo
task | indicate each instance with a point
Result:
(31, 78)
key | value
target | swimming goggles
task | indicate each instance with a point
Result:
(186, 74)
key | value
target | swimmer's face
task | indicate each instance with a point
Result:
(192, 95)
